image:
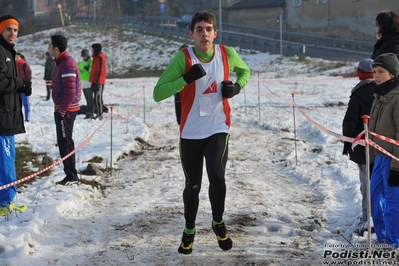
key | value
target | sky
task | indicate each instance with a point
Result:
(292, 197)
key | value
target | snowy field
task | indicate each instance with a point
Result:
(291, 194)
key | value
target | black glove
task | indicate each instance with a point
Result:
(347, 148)
(95, 87)
(86, 67)
(26, 87)
(229, 89)
(195, 72)
(393, 179)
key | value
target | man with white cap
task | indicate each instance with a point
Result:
(11, 117)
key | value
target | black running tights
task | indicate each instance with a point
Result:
(192, 152)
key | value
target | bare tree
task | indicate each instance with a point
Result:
(110, 9)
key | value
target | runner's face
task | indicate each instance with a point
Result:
(203, 36)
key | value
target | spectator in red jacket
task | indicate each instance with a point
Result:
(24, 72)
(97, 78)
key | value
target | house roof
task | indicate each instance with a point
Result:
(251, 4)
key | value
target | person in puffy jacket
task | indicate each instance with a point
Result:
(66, 97)
(11, 117)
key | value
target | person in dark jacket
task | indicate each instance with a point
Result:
(11, 117)
(359, 104)
(49, 68)
(66, 96)
(387, 33)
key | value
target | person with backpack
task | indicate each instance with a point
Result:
(24, 72)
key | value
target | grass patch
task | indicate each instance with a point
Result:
(26, 160)
(317, 150)
(302, 59)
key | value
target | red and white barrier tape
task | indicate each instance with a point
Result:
(90, 137)
(355, 141)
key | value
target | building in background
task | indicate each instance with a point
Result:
(347, 19)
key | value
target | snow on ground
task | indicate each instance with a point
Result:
(291, 194)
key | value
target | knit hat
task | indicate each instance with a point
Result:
(85, 52)
(364, 69)
(96, 48)
(389, 61)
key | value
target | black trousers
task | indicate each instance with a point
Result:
(64, 128)
(192, 152)
(98, 100)
(48, 89)
(89, 96)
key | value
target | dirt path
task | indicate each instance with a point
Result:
(268, 225)
(277, 213)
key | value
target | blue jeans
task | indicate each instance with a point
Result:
(384, 202)
(7, 169)
(26, 103)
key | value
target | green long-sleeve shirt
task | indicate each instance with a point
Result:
(171, 80)
(85, 72)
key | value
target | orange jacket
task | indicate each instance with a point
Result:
(98, 69)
